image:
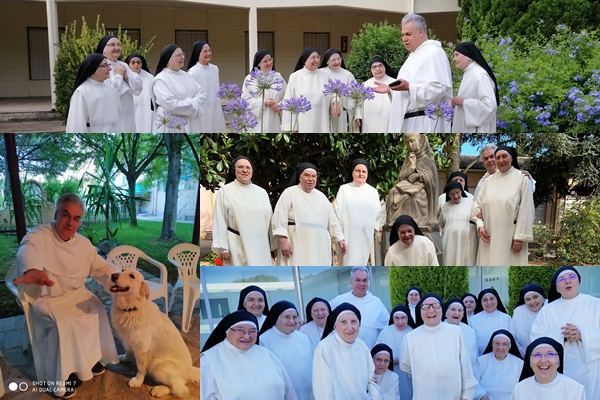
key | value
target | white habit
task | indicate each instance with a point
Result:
(345, 77)
(375, 113)
(374, 315)
(313, 332)
(520, 326)
(227, 373)
(311, 85)
(70, 323)
(394, 338)
(271, 119)
(177, 93)
(126, 91)
(296, 355)
(420, 253)
(94, 108)
(459, 235)
(247, 210)
(582, 358)
(207, 76)
(443, 345)
(486, 324)
(389, 385)
(470, 340)
(506, 201)
(342, 371)
(359, 211)
(141, 105)
(427, 71)
(261, 320)
(487, 175)
(497, 378)
(314, 221)
(478, 112)
(561, 387)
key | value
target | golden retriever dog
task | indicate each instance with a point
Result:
(150, 336)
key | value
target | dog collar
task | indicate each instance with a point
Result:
(129, 309)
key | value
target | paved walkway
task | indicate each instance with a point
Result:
(18, 366)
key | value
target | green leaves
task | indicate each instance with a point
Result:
(445, 281)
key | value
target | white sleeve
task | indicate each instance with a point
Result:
(136, 84)
(280, 215)
(79, 116)
(423, 93)
(208, 385)
(468, 381)
(478, 110)
(189, 107)
(322, 377)
(219, 243)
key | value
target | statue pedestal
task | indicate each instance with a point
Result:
(434, 236)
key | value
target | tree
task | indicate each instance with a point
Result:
(174, 143)
(54, 188)
(447, 282)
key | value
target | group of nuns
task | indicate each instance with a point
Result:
(549, 349)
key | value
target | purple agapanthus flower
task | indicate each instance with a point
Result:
(443, 110)
(178, 123)
(262, 81)
(243, 123)
(335, 87)
(358, 92)
(236, 107)
(229, 91)
(296, 105)
(162, 120)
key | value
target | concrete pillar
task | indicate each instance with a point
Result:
(252, 35)
(53, 39)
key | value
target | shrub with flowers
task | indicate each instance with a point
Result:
(259, 83)
(296, 106)
(167, 121)
(242, 119)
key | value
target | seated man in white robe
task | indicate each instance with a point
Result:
(384, 372)
(375, 315)
(70, 323)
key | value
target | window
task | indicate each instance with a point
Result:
(266, 41)
(319, 41)
(186, 39)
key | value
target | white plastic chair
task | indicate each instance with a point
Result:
(127, 257)
(29, 323)
(186, 257)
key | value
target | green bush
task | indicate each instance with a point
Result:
(445, 281)
(544, 236)
(55, 188)
(579, 233)
(518, 277)
(72, 49)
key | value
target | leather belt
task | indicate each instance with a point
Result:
(414, 114)
(233, 231)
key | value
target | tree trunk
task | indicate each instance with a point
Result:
(455, 156)
(132, 206)
(174, 143)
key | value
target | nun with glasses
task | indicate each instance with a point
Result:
(460, 177)
(531, 301)
(304, 222)
(358, 209)
(454, 313)
(498, 369)
(470, 302)
(177, 100)
(233, 367)
(490, 315)
(413, 296)
(506, 202)
(401, 323)
(264, 103)
(333, 64)
(141, 103)
(94, 106)
(441, 345)
(542, 375)
(127, 83)
(573, 318)
(408, 245)
(206, 75)
(343, 368)
(254, 300)
(477, 101)
(375, 114)
(317, 311)
(242, 219)
(385, 377)
(280, 335)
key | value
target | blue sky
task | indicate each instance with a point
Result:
(468, 150)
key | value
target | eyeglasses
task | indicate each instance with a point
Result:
(104, 65)
(538, 356)
(563, 279)
(243, 167)
(335, 60)
(314, 57)
(289, 318)
(180, 55)
(243, 332)
(435, 306)
(134, 62)
(377, 66)
(113, 45)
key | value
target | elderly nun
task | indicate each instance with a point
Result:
(254, 300)
(413, 295)
(233, 367)
(490, 315)
(317, 311)
(358, 209)
(385, 377)
(375, 114)
(454, 313)
(242, 219)
(280, 335)
(408, 245)
(141, 103)
(531, 301)
(333, 64)
(459, 233)
(304, 222)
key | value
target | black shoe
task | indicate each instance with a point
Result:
(73, 381)
(70, 393)
(98, 369)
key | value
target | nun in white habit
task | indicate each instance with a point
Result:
(470, 302)
(499, 368)
(459, 234)
(375, 113)
(400, 324)
(542, 376)
(573, 318)
(454, 314)
(293, 348)
(440, 344)
(333, 64)
(384, 372)
(175, 93)
(254, 300)
(317, 311)
(358, 209)
(141, 103)
(94, 107)
(206, 76)
(408, 245)
(531, 301)
(304, 222)
(127, 83)
(343, 368)
(413, 296)
(242, 219)
(490, 315)
(232, 367)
